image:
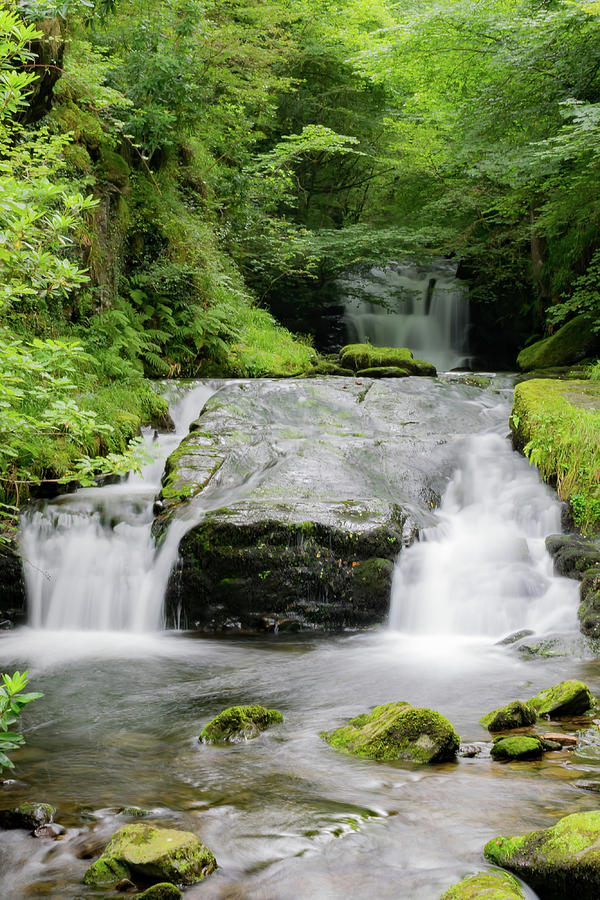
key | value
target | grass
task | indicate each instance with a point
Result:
(266, 348)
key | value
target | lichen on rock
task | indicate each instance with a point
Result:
(239, 723)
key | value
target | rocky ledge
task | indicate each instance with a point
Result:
(291, 499)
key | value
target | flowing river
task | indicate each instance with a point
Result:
(285, 815)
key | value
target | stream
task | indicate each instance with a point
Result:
(285, 815)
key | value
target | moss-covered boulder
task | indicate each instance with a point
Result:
(573, 556)
(514, 715)
(360, 357)
(397, 731)
(558, 862)
(159, 854)
(491, 885)
(568, 698)
(239, 723)
(30, 816)
(384, 372)
(519, 746)
(589, 607)
(162, 891)
(570, 344)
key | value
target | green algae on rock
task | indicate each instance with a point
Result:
(364, 356)
(514, 715)
(490, 885)
(568, 698)
(163, 854)
(162, 891)
(557, 862)
(520, 746)
(397, 731)
(239, 723)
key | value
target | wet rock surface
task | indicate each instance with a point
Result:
(30, 816)
(293, 498)
(239, 723)
(12, 595)
(492, 885)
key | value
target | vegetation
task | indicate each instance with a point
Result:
(12, 701)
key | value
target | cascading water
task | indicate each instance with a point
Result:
(424, 308)
(484, 569)
(90, 559)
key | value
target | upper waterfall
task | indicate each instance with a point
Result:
(422, 306)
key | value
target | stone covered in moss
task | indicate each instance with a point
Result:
(239, 723)
(520, 746)
(28, 815)
(573, 342)
(490, 885)
(568, 698)
(162, 891)
(397, 731)
(359, 357)
(589, 608)
(383, 372)
(514, 715)
(558, 862)
(160, 854)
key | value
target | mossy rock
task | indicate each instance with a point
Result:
(28, 815)
(589, 608)
(114, 168)
(569, 345)
(383, 372)
(491, 885)
(160, 854)
(239, 723)
(514, 715)
(325, 367)
(573, 556)
(163, 891)
(520, 746)
(558, 862)
(84, 126)
(360, 357)
(397, 731)
(568, 698)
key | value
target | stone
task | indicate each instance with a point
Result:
(154, 853)
(360, 357)
(490, 885)
(589, 607)
(570, 344)
(514, 637)
(514, 715)
(573, 556)
(565, 740)
(521, 746)
(28, 815)
(384, 372)
(557, 862)
(239, 723)
(51, 830)
(568, 698)
(397, 731)
(163, 891)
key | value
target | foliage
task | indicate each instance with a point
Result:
(12, 702)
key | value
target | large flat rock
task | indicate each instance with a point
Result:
(295, 497)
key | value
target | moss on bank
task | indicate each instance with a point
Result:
(557, 425)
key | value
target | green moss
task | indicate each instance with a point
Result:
(359, 357)
(397, 731)
(569, 698)
(106, 870)
(239, 723)
(486, 886)
(84, 126)
(520, 746)
(513, 715)
(383, 372)
(570, 344)
(163, 891)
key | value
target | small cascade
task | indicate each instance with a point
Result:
(424, 308)
(90, 559)
(483, 570)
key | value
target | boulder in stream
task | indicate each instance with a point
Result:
(162, 891)
(514, 715)
(519, 746)
(568, 698)
(397, 731)
(239, 723)
(491, 885)
(365, 357)
(31, 816)
(570, 344)
(153, 853)
(557, 862)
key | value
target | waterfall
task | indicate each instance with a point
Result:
(90, 559)
(424, 308)
(483, 569)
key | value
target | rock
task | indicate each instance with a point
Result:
(491, 885)
(569, 698)
(28, 815)
(160, 854)
(480, 749)
(163, 891)
(592, 786)
(135, 812)
(360, 357)
(12, 595)
(397, 731)
(52, 830)
(573, 556)
(383, 372)
(239, 723)
(565, 740)
(589, 607)
(521, 746)
(558, 862)
(515, 636)
(514, 715)
(570, 344)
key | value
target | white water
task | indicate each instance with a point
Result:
(90, 559)
(484, 569)
(408, 305)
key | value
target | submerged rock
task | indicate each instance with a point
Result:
(570, 344)
(397, 731)
(30, 816)
(239, 723)
(363, 357)
(490, 885)
(520, 746)
(558, 862)
(568, 698)
(160, 854)
(514, 715)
